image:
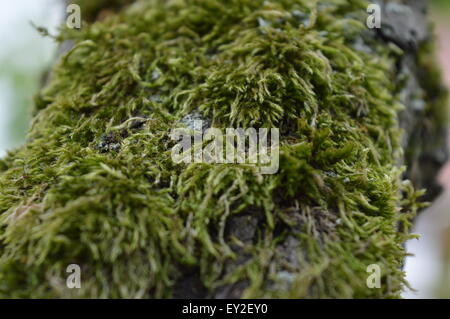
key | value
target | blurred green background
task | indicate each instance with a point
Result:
(441, 3)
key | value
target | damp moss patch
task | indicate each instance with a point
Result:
(95, 185)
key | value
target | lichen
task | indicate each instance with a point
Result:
(95, 185)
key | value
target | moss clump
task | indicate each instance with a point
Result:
(98, 9)
(95, 185)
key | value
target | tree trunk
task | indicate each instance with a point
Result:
(95, 184)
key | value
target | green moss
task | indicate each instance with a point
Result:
(93, 10)
(133, 220)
